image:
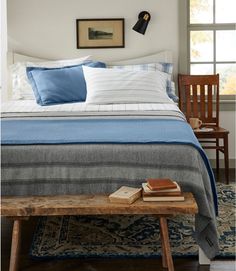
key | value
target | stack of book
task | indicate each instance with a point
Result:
(162, 190)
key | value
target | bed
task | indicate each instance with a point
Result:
(95, 148)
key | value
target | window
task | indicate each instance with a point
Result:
(212, 41)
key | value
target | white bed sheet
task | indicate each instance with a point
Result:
(31, 108)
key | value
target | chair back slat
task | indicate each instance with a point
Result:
(209, 103)
(195, 101)
(197, 95)
(218, 102)
(188, 100)
(202, 103)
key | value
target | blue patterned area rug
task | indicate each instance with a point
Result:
(129, 236)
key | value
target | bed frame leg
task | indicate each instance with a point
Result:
(202, 258)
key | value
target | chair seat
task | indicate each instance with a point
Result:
(218, 132)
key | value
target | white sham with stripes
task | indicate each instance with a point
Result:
(108, 86)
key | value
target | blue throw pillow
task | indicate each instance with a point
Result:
(59, 85)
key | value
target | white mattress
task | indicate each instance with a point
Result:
(31, 108)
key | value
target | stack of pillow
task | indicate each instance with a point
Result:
(21, 88)
(79, 80)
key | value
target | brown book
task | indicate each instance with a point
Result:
(160, 184)
(125, 195)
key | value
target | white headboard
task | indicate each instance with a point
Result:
(163, 56)
(15, 57)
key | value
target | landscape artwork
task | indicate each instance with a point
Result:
(100, 33)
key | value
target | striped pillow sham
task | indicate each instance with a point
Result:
(159, 66)
(109, 86)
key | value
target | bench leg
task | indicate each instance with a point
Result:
(166, 253)
(202, 258)
(15, 245)
(164, 262)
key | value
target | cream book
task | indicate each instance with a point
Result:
(125, 195)
(167, 198)
(148, 190)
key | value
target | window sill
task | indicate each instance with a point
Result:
(227, 105)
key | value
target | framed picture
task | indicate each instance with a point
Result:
(100, 33)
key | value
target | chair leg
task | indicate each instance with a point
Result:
(226, 154)
(217, 159)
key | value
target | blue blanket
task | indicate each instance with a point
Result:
(118, 131)
(94, 131)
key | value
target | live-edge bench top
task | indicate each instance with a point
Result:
(90, 204)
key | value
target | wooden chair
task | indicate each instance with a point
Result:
(199, 98)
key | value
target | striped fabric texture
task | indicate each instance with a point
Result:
(160, 66)
(108, 86)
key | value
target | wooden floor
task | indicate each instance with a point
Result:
(27, 264)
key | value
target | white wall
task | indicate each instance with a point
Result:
(46, 28)
(228, 121)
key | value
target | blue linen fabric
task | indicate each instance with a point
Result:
(59, 85)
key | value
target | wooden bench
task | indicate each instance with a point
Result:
(21, 208)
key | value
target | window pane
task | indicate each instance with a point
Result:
(227, 78)
(226, 45)
(201, 69)
(201, 11)
(201, 46)
(225, 11)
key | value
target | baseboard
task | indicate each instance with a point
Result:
(232, 163)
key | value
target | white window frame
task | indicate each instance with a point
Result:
(184, 44)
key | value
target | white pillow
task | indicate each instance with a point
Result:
(108, 86)
(21, 89)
